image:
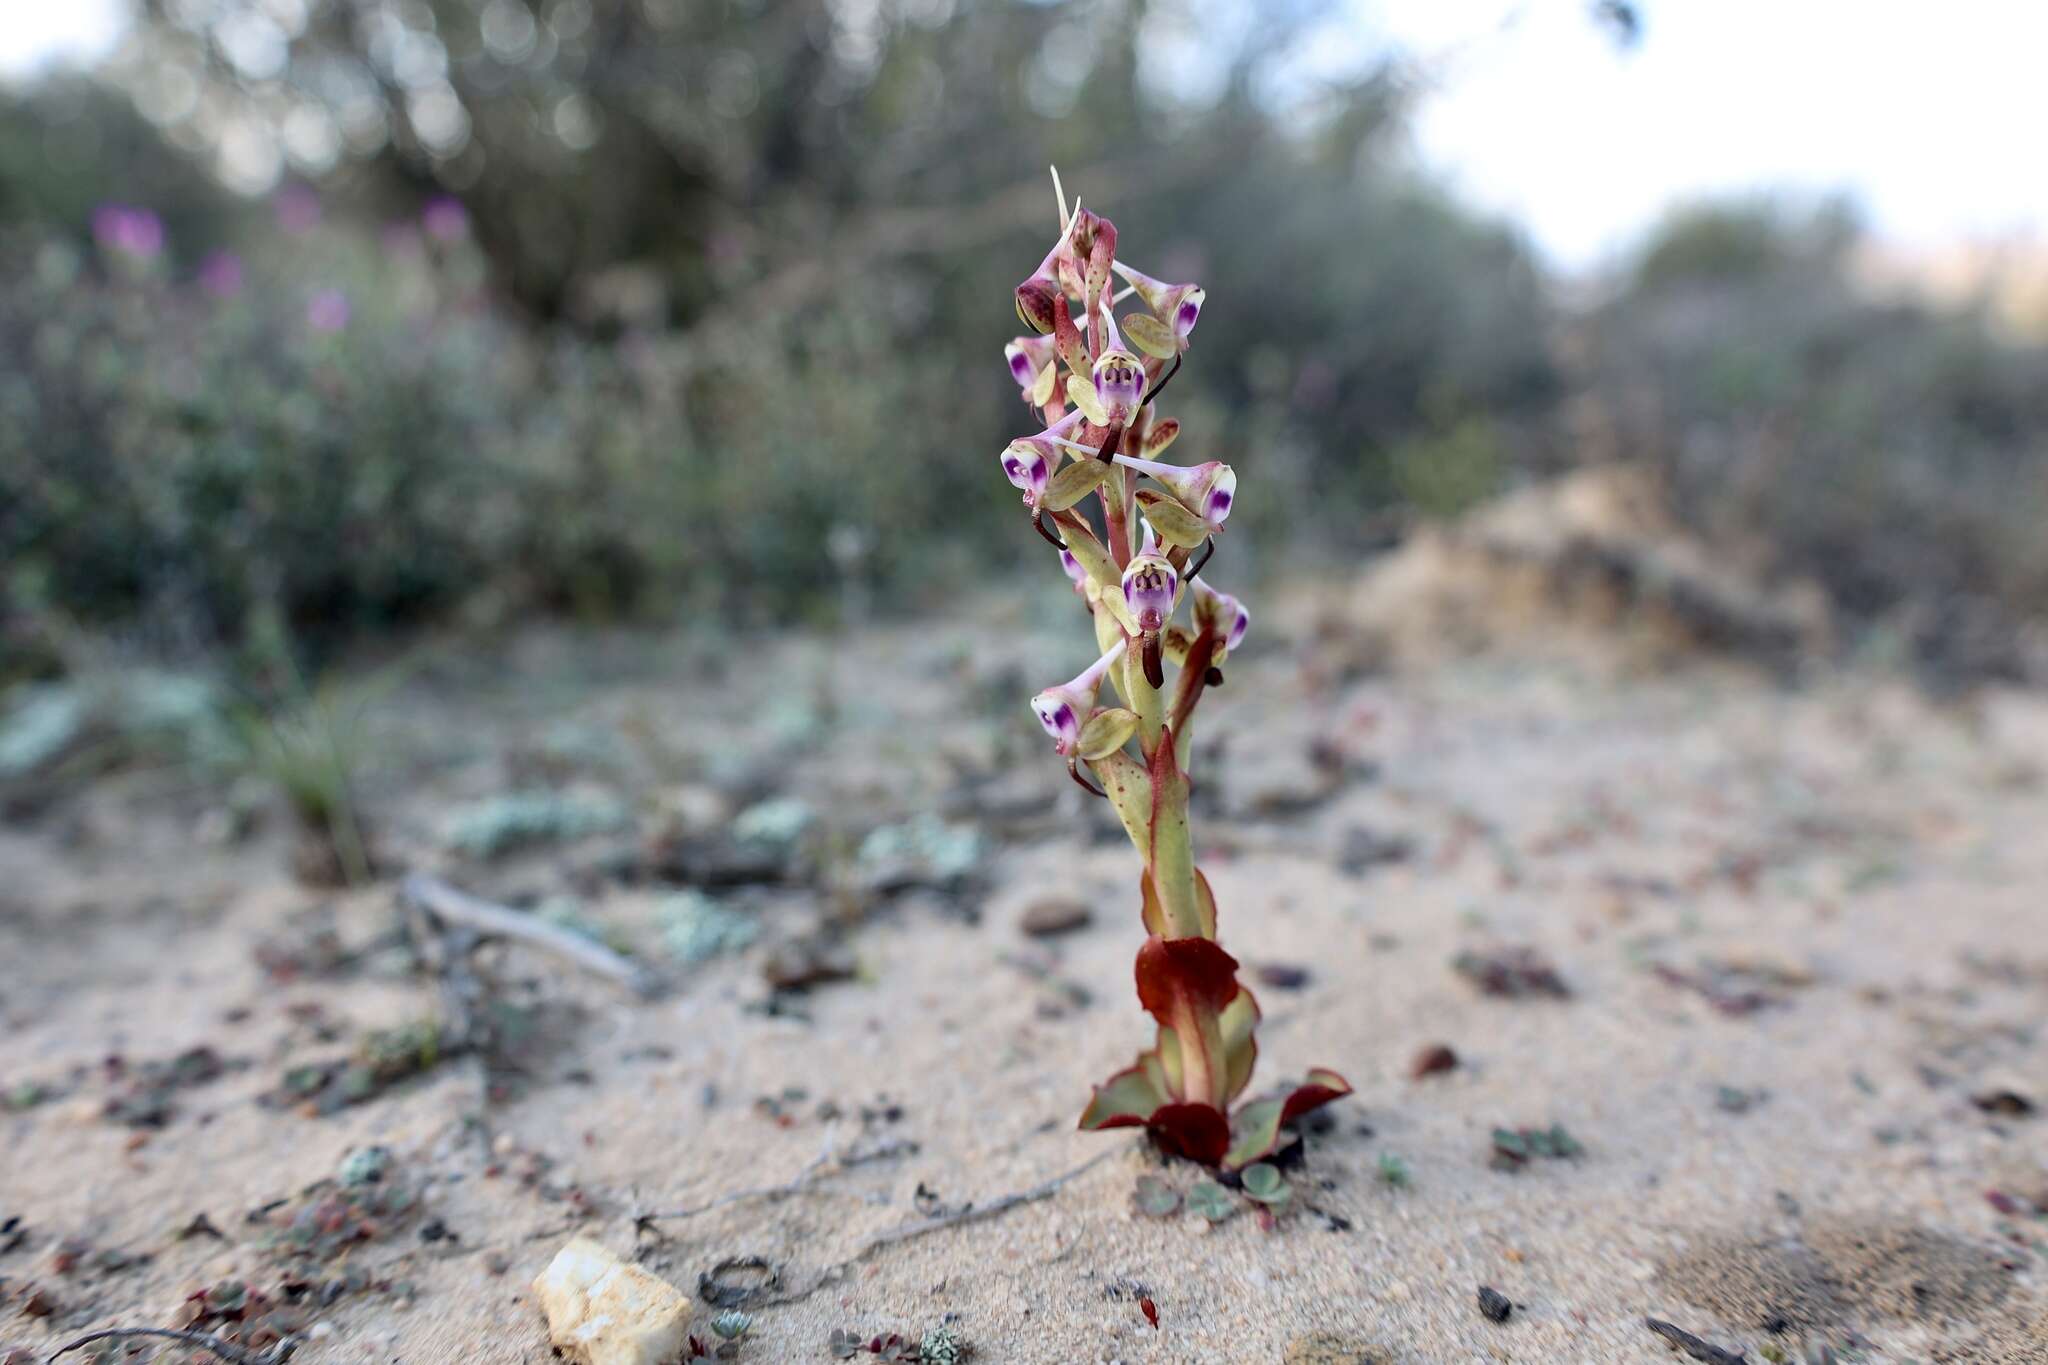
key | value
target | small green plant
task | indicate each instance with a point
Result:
(1133, 536)
(1393, 1171)
(1211, 1201)
(941, 1346)
(1514, 1148)
(1264, 1183)
(1155, 1198)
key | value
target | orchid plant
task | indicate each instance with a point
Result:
(1134, 534)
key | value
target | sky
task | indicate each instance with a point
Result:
(1931, 116)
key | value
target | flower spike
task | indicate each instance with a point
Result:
(1093, 376)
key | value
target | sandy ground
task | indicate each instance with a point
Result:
(1859, 874)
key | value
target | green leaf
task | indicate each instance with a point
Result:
(1106, 732)
(1254, 1132)
(1130, 792)
(1210, 1200)
(1084, 547)
(1156, 1198)
(1175, 524)
(1263, 1182)
(1153, 336)
(1127, 1099)
(1073, 483)
(1239, 1018)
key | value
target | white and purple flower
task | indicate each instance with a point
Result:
(1063, 710)
(1028, 357)
(1179, 306)
(1150, 586)
(1119, 385)
(1208, 490)
(1029, 461)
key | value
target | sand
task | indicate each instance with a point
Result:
(1867, 865)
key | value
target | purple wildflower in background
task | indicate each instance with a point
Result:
(128, 231)
(220, 274)
(297, 208)
(445, 219)
(327, 311)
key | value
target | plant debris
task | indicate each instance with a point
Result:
(383, 1058)
(1693, 1346)
(737, 1281)
(2006, 1103)
(1513, 973)
(1433, 1060)
(147, 1094)
(1514, 1148)
(1734, 988)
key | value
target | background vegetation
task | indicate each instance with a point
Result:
(629, 310)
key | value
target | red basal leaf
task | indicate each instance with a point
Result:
(1198, 1132)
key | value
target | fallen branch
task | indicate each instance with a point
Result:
(971, 1213)
(452, 905)
(797, 1184)
(1693, 1346)
(226, 1350)
(975, 1213)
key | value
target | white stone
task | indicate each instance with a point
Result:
(605, 1311)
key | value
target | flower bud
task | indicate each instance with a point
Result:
(1034, 302)
(1150, 584)
(1208, 490)
(1062, 710)
(1035, 296)
(1028, 356)
(1119, 385)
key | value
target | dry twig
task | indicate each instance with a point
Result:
(453, 906)
(226, 1350)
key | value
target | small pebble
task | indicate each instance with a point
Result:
(1432, 1060)
(1494, 1304)
(1054, 915)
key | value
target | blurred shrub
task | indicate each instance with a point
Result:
(311, 445)
(1897, 454)
(350, 438)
